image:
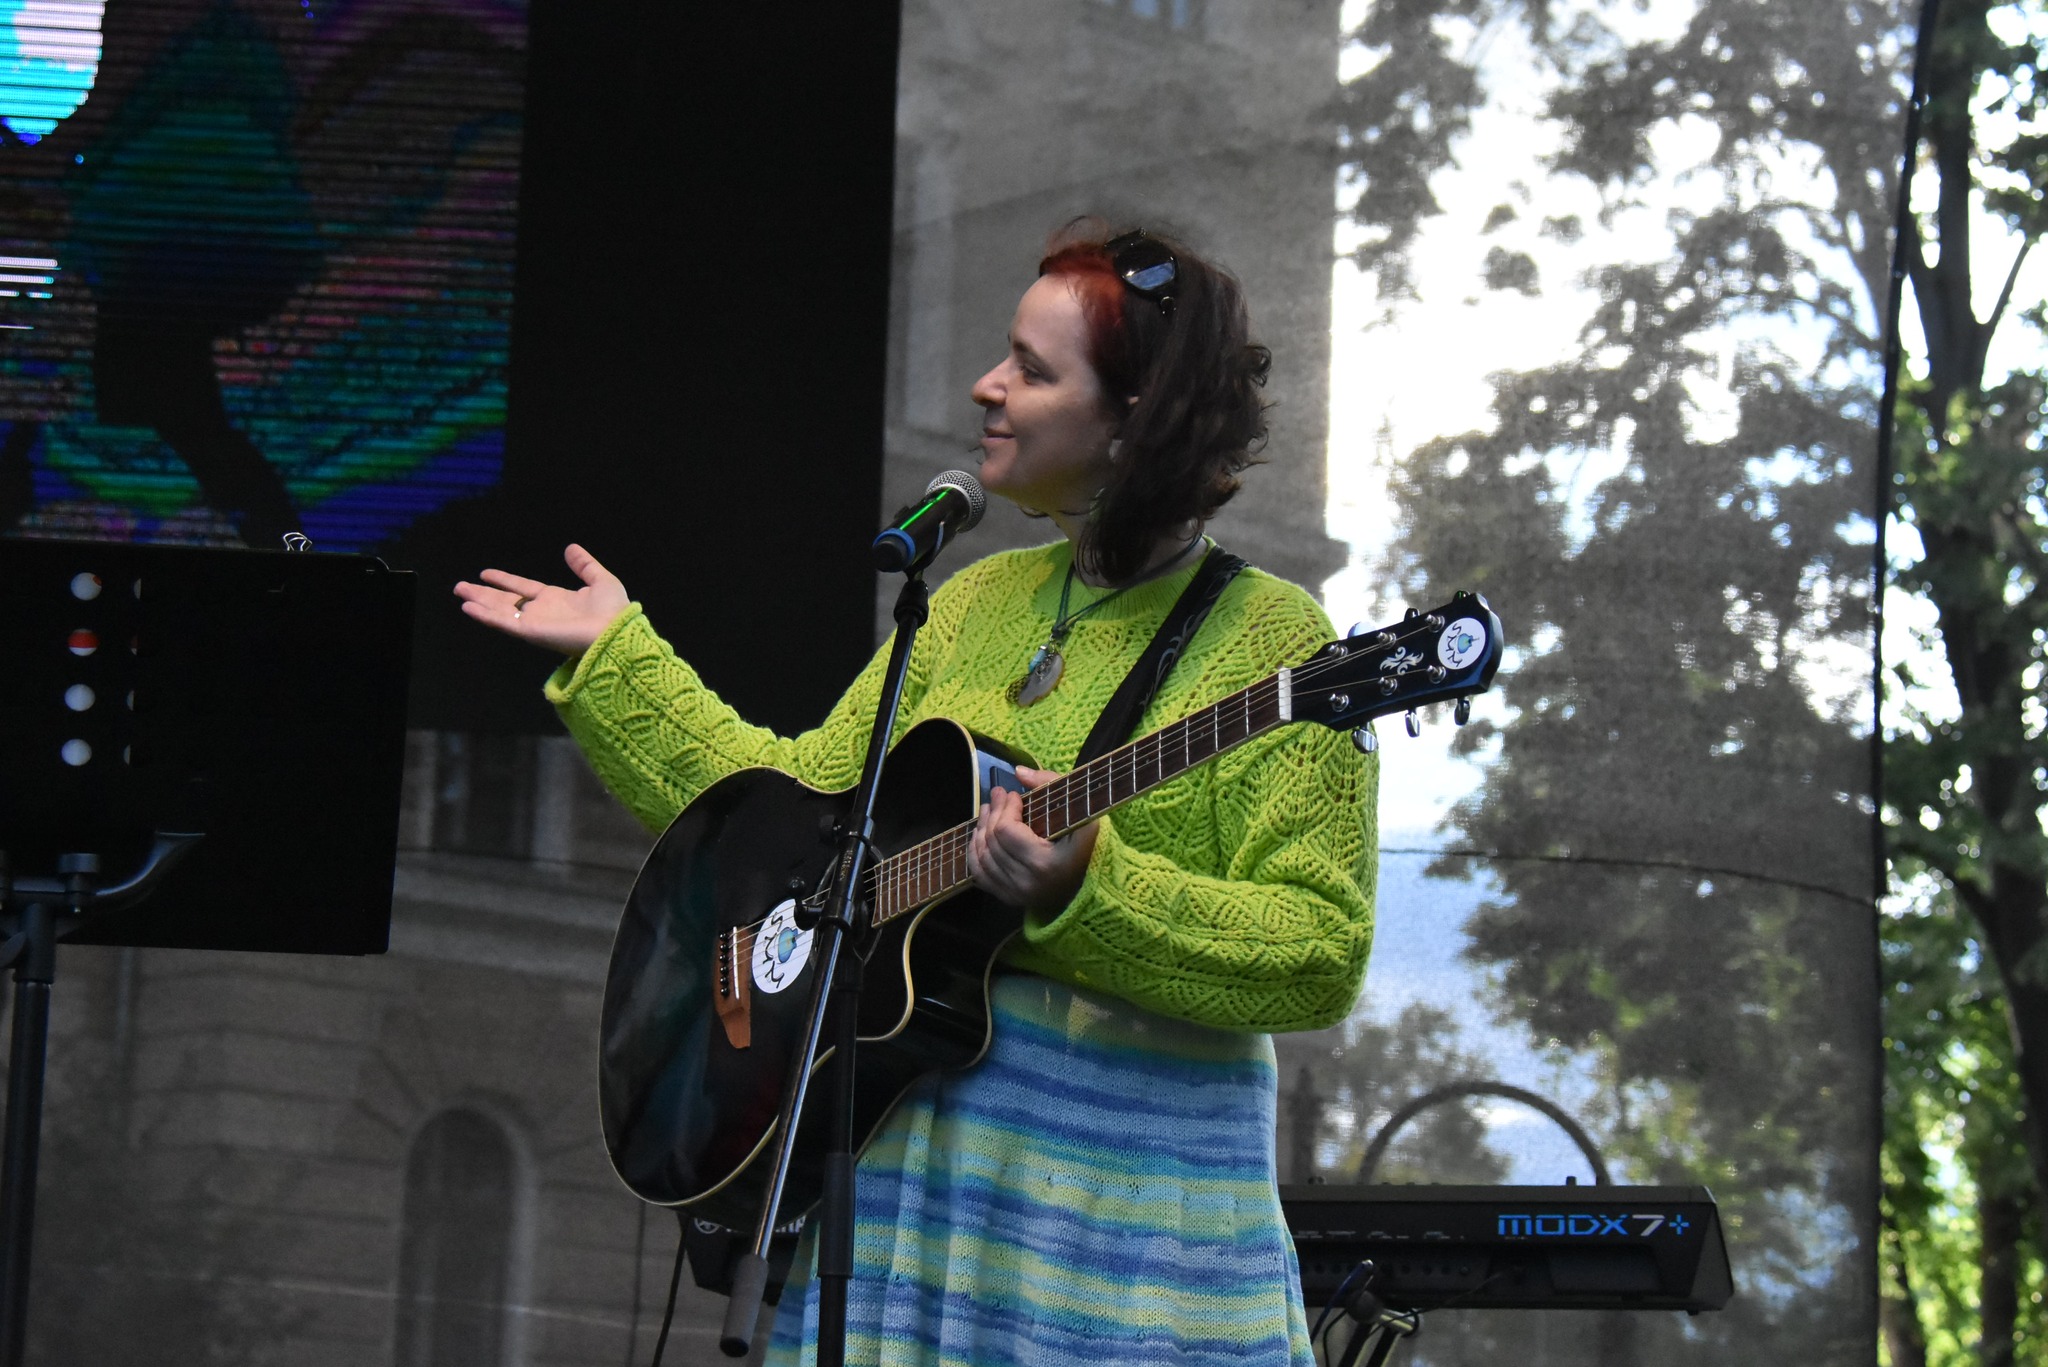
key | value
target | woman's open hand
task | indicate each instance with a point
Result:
(1014, 864)
(561, 619)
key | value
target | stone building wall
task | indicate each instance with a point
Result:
(1014, 119)
(269, 1104)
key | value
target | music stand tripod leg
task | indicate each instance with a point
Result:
(34, 950)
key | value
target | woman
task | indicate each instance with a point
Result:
(1101, 1185)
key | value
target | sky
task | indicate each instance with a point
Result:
(1994, 249)
(1395, 385)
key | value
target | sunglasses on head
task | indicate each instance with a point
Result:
(1146, 266)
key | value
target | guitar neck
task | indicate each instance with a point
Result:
(937, 867)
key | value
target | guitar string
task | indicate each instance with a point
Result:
(939, 854)
(944, 852)
(893, 874)
(904, 875)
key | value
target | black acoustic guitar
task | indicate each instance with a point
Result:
(709, 989)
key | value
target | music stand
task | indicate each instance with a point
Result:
(254, 700)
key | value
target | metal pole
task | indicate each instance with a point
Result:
(27, 1056)
(842, 920)
(32, 949)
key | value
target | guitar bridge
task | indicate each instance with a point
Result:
(734, 1001)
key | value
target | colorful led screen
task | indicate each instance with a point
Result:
(255, 265)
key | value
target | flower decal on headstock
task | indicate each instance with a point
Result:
(1461, 643)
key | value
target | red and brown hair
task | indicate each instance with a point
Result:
(1196, 375)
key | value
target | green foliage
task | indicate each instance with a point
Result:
(1965, 782)
(1379, 1069)
(1681, 821)
(1966, 757)
(1967, 790)
(1952, 1129)
(1665, 615)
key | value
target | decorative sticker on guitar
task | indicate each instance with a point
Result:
(780, 949)
(1402, 661)
(1461, 643)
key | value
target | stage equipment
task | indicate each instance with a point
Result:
(256, 696)
(953, 503)
(714, 954)
(1469, 1247)
(715, 1252)
(741, 908)
(231, 725)
(831, 908)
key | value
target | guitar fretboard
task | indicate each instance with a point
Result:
(937, 867)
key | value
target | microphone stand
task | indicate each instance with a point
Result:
(835, 1000)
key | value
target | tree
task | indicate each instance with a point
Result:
(1962, 1255)
(1378, 1069)
(1966, 784)
(1678, 812)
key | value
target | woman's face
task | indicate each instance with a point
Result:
(1046, 421)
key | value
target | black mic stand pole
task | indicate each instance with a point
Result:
(34, 906)
(837, 996)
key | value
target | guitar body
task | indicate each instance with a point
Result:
(689, 1114)
(708, 998)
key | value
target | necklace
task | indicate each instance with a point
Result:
(1042, 675)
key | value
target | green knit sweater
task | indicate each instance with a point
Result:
(1238, 894)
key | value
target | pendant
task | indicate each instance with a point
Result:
(1041, 678)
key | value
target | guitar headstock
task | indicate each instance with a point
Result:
(1427, 657)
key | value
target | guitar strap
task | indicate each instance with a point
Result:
(1121, 714)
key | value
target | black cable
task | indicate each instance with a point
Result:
(1378, 1329)
(1355, 1346)
(1887, 502)
(668, 1312)
(1619, 862)
(1887, 498)
(1336, 1301)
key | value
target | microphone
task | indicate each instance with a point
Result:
(953, 503)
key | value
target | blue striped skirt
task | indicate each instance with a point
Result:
(1099, 1187)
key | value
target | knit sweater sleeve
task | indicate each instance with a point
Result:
(1242, 900)
(657, 736)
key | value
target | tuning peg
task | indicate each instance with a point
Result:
(1367, 742)
(1358, 629)
(1414, 723)
(1462, 712)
